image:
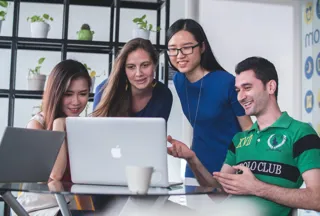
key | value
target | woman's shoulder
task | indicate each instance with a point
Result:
(222, 77)
(162, 90)
(37, 119)
(177, 77)
(100, 86)
(223, 74)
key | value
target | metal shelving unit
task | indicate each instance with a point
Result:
(65, 45)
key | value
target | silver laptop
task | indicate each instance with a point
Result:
(28, 155)
(101, 148)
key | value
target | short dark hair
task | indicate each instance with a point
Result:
(208, 60)
(263, 69)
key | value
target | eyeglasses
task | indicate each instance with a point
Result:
(184, 50)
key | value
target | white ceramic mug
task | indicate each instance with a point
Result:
(138, 178)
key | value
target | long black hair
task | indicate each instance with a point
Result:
(208, 60)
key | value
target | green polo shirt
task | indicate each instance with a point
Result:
(277, 155)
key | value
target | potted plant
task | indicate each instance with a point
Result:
(92, 74)
(143, 29)
(3, 13)
(36, 80)
(39, 25)
(85, 33)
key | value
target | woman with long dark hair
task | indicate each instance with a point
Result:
(66, 94)
(131, 90)
(207, 94)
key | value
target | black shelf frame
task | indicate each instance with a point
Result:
(25, 43)
(64, 45)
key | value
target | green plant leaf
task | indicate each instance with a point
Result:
(158, 28)
(135, 20)
(3, 14)
(86, 66)
(4, 4)
(37, 69)
(46, 16)
(150, 27)
(143, 17)
(35, 18)
(40, 61)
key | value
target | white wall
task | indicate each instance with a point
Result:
(271, 29)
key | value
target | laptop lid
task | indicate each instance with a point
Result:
(100, 148)
(28, 155)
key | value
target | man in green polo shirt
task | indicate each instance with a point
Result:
(268, 162)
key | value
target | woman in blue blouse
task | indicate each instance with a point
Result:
(131, 89)
(207, 94)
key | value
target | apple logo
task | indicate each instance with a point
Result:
(116, 152)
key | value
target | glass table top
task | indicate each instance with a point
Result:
(56, 187)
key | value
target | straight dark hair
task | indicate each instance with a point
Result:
(263, 69)
(208, 60)
(58, 83)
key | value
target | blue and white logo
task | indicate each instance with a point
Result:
(318, 9)
(309, 66)
(318, 63)
(308, 101)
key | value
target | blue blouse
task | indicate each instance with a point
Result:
(216, 122)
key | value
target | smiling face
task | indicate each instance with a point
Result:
(253, 95)
(139, 70)
(76, 97)
(185, 63)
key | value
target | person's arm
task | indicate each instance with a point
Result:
(98, 94)
(306, 153)
(245, 122)
(60, 165)
(33, 124)
(203, 176)
(247, 184)
(304, 198)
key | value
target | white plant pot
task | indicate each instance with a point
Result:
(93, 79)
(36, 82)
(140, 33)
(0, 25)
(39, 29)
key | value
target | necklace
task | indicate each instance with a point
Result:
(197, 108)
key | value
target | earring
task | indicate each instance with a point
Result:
(126, 85)
(154, 83)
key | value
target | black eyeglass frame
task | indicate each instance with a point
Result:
(177, 50)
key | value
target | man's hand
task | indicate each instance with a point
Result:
(239, 184)
(179, 149)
